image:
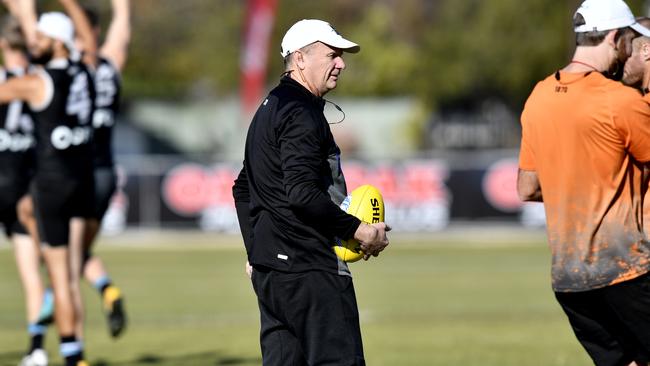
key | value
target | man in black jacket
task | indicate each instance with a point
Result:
(286, 197)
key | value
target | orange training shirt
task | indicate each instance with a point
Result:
(584, 135)
(646, 196)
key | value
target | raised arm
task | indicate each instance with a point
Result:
(83, 29)
(118, 36)
(12, 6)
(25, 12)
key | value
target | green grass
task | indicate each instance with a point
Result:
(423, 302)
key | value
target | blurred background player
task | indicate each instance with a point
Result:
(16, 163)
(60, 95)
(107, 64)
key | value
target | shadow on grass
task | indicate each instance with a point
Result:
(198, 359)
(205, 358)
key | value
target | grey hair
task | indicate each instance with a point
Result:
(288, 59)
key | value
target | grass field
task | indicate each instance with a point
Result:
(462, 300)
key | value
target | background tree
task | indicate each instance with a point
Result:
(441, 51)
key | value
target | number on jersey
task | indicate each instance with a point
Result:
(79, 102)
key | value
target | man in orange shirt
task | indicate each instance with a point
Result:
(584, 139)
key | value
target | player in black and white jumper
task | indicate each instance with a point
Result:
(60, 94)
(17, 166)
(107, 63)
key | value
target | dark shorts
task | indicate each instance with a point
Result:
(105, 185)
(56, 201)
(612, 323)
(9, 197)
(307, 318)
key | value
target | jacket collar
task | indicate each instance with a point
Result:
(288, 81)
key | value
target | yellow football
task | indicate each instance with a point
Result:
(367, 204)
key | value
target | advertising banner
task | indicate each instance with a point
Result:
(422, 195)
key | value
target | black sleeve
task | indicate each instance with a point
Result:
(241, 194)
(301, 145)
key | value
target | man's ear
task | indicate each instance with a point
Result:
(299, 60)
(611, 38)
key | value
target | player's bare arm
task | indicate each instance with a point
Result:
(29, 88)
(528, 186)
(25, 12)
(118, 36)
(83, 28)
(13, 7)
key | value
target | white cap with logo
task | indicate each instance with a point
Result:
(308, 31)
(58, 26)
(603, 15)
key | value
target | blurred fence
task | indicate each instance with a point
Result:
(423, 194)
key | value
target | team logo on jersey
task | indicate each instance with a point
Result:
(63, 137)
(103, 118)
(15, 142)
(16, 136)
(79, 103)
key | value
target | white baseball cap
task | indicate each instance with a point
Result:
(308, 31)
(58, 26)
(602, 15)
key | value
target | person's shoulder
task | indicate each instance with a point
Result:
(543, 87)
(623, 92)
(282, 105)
(623, 97)
(287, 99)
(106, 63)
(550, 79)
(646, 97)
(539, 90)
(288, 91)
(626, 103)
(77, 67)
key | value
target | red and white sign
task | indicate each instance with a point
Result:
(500, 185)
(415, 194)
